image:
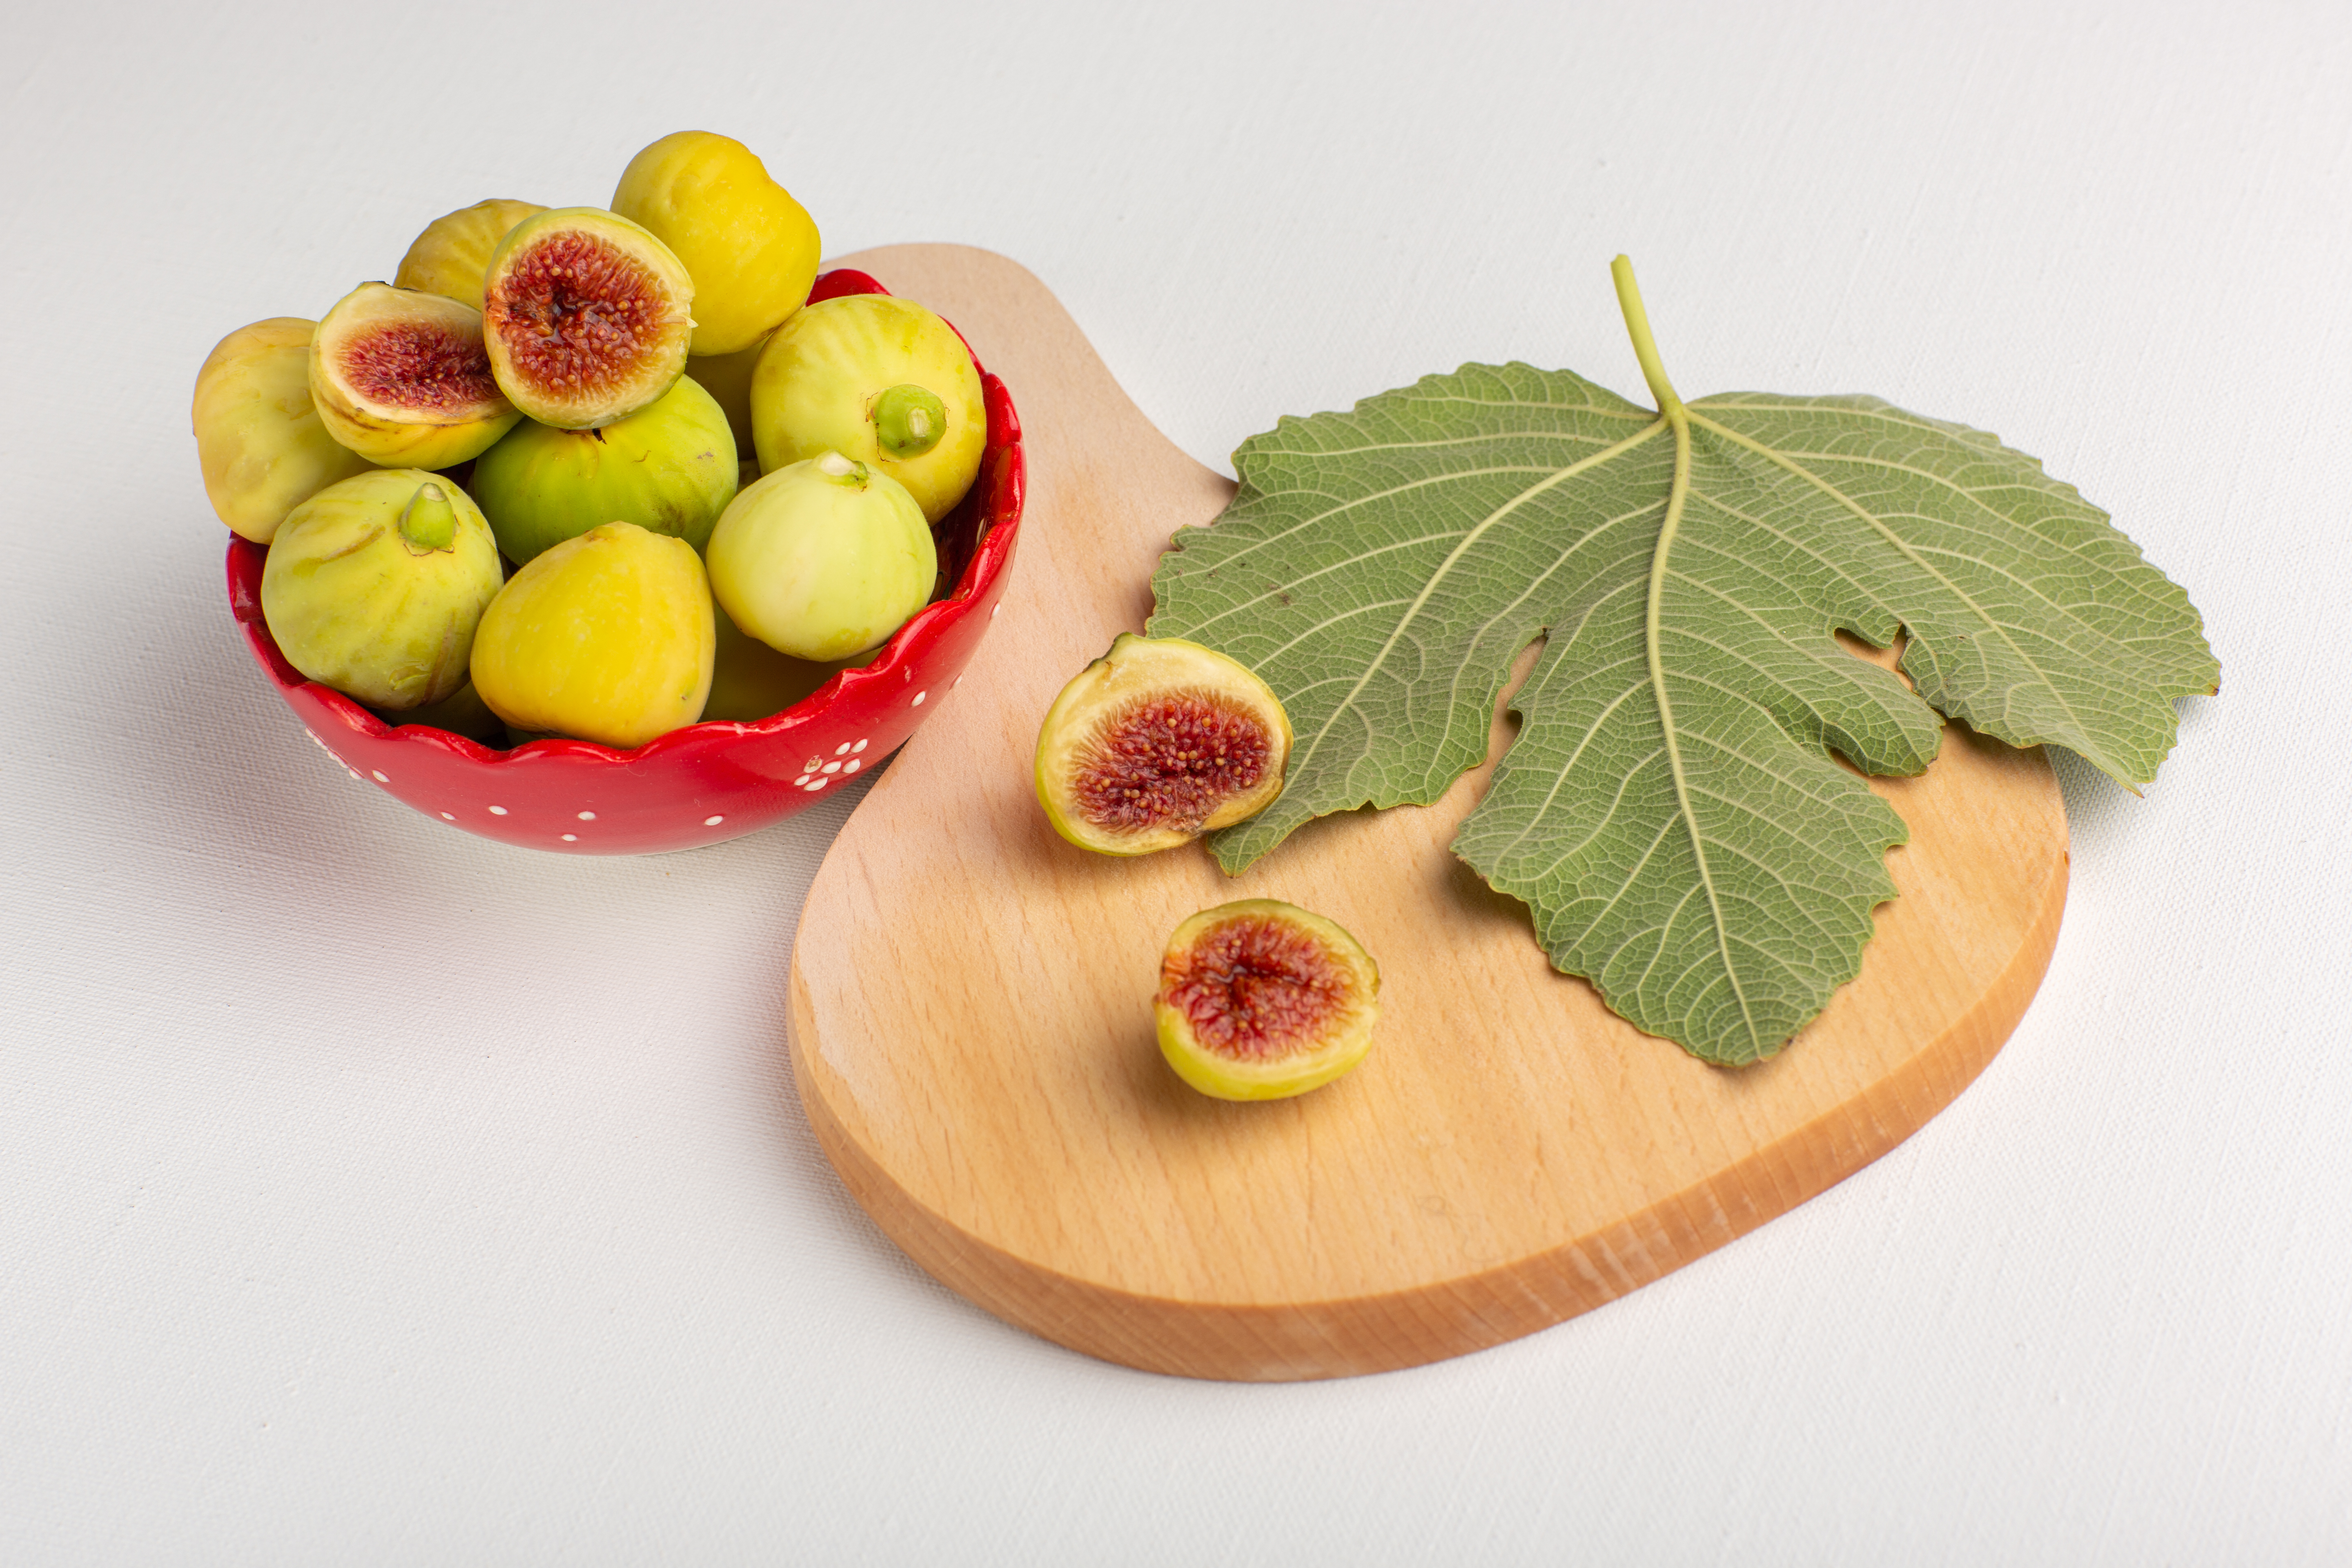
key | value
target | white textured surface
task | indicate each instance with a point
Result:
(369, 1193)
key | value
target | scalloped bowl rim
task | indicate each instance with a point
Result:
(1001, 504)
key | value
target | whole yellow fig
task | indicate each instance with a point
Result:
(753, 250)
(450, 257)
(374, 586)
(258, 437)
(605, 637)
(878, 379)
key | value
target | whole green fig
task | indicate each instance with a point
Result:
(823, 559)
(669, 469)
(374, 586)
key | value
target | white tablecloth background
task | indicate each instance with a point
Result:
(371, 1192)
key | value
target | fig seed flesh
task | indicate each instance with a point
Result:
(587, 308)
(1169, 756)
(1157, 743)
(1262, 1000)
(402, 377)
(587, 317)
(420, 365)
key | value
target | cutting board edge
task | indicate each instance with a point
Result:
(1391, 1330)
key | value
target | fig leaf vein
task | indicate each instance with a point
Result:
(1671, 811)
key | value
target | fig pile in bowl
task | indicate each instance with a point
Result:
(584, 485)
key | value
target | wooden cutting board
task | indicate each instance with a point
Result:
(971, 1000)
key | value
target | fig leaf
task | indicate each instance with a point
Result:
(1671, 813)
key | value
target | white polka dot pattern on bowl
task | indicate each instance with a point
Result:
(830, 761)
(332, 752)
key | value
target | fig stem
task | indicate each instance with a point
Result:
(1645, 347)
(908, 420)
(842, 470)
(428, 522)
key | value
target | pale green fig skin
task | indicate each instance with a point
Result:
(1134, 669)
(670, 468)
(823, 559)
(625, 372)
(436, 431)
(1337, 1046)
(819, 381)
(354, 605)
(259, 439)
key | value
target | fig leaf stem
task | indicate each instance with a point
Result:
(1645, 347)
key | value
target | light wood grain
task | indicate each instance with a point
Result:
(973, 1036)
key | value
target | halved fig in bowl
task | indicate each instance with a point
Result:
(708, 782)
(587, 317)
(1262, 1000)
(401, 377)
(1157, 743)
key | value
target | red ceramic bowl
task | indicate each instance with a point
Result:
(707, 782)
